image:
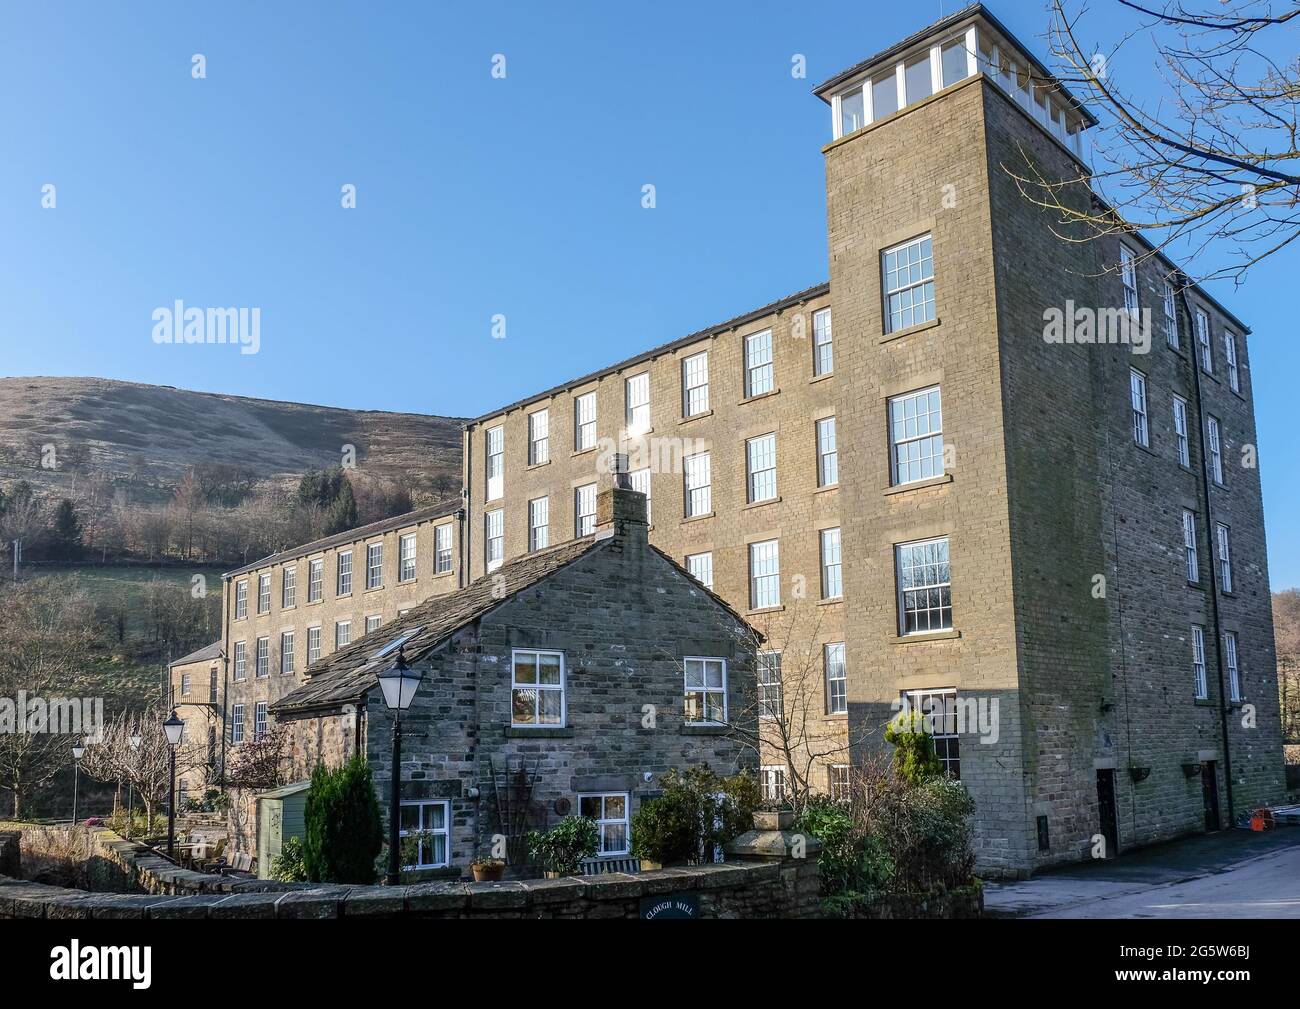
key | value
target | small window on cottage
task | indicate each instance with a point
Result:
(706, 691)
(424, 831)
(611, 812)
(536, 688)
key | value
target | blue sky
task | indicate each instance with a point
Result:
(475, 196)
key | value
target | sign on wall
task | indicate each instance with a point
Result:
(672, 905)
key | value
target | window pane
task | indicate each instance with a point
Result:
(525, 668)
(884, 96)
(851, 112)
(548, 669)
(955, 67)
(917, 79)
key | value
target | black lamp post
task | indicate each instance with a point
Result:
(399, 684)
(174, 728)
(78, 751)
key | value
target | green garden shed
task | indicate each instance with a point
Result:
(280, 816)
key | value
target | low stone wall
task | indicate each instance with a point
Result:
(965, 902)
(754, 885)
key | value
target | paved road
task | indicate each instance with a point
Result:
(1231, 874)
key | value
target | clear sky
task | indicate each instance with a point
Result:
(475, 196)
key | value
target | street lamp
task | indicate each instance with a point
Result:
(135, 740)
(399, 684)
(78, 751)
(174, 728)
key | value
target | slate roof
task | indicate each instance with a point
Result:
(212, 651)
(347, 675)
(441, 509)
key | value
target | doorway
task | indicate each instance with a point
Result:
(1106, 810)
(1210, 793)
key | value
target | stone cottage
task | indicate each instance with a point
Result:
(566, 681)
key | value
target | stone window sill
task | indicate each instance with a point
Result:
(759, 504)
(537, 465)
(538, 732)
(934, 481)
(821, 378)
(696, 416)
(827, 489)
(581, 451)
(698, 518)
(705, 730)
(830, 602)
(920, 327)
(761, 395)
(916, 639)
(764, 609)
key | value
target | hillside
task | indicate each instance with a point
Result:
(155, 434)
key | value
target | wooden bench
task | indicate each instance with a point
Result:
(600, 866)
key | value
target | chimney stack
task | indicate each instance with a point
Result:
(621, 511)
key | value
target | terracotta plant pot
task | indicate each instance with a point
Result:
(783, 820)
(488, 872)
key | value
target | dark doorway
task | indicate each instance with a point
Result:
(1210, 790)
(1106, 811)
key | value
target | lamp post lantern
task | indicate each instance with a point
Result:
(399, 684)
(174, 728)
(78, 751)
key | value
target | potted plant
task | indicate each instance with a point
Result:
(561, 849)
(773, 815)
(488, 869)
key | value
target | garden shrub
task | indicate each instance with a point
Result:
(344, 828)
(290, 865)
(697, 814)
(914, 758)
(565, 845)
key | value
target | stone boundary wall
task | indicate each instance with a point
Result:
(11, 859)
(748, 887)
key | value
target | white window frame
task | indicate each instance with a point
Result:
(313, 644)
(343, 573)
(708, 702)
(941, 725)
(1171, 318)
(1199, 677)
(771, 782)
(539, 437)
(287, 657)
(823, 343)
(259, 720)
(241, 599)
(1223, 540)
(1138, 401)
(375, 565)
(1230, 358)
(915, 312)
(494, 462)
(760, 468)
(288, 587)
(760, 364)
(407, 547)
(373, 622)
(185, 684)
(695, 384)
(342, 629)
(604, 821)
(315, 580)
(641, 482)
(837, 685)
(1128, 279)
(494, 538)
(444, 832)
(241, 661)
(905, 434)
(1230, 659)
(539, 523)
(831, 563)
(768, 676)
(839, 791)
(697, 485)
(236, 724)
(764, 585)
(938, 586)
(584, 422)
(636, 398)
(828, 454)
(538, 688)
(442, 549)
(1214, 434)
(1205, 349)
(695, 562)
(1192, 562)
(264, 593)
(584, 510)
(262, 657)
(1181, 432)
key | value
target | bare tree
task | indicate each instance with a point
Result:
(1286, 634)
(45, 633)
(1209, 160)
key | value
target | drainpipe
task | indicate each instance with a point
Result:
(1195, 348)
(467, 470)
